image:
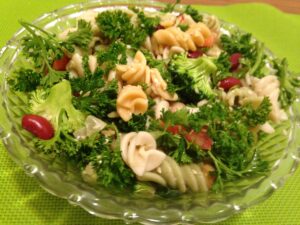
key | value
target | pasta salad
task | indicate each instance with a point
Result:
(157, 101)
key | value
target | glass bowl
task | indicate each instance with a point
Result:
(63, 180)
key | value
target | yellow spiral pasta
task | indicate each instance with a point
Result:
(194, 37)
(135, 72)
(131, 100)
(138, 72)
(199, 32)
(182, 177)
(172, 36)
(159, 86)
(169, 20)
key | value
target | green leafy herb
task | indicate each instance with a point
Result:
(288, 82)
(82, 36)
(254, 116)
(43, 49)
(114, 54)
(26, 80)
(116, 25)
(162, 68)
(98, 102)
(180, 117)
(147, 23)
(237, 43)
(111, 169)
(223, 64)
(183, 27)
(136, 123)
(253, 55)
(180, 154)
(170, 7)
(193, 13)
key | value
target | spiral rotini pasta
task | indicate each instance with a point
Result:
(241, 96)
(90, 16)
(131, 100)
(269, 86)
(214, 51)
(169, 20)
(199, 32)
(182, 177)
(169, 52)
(160, 106)
(136, 72)
(75, 65)
(159, 86)
(172, 36)
(140, 153)
(194, 37)
(212, 23)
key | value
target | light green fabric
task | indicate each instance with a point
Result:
(22, 201)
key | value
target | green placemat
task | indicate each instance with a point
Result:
(22, 201)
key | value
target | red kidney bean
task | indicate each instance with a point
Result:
(229, 82)
(194, 54)
(235, 61)
(38, 126)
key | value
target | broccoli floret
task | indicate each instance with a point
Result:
(192, 76)
(56, 106)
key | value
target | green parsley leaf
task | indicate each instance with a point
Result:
(82, 36)
(197, 17)
(26, 80)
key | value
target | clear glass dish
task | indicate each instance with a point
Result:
(61, 179)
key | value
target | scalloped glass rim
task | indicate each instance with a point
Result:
(60, 180)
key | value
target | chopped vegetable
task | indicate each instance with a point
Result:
(26, 80)
(116, 25)
(192, 76)
(61, 64)
(57, 107)
(288, 82)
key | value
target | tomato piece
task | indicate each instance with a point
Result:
(199, 138)
(61, 64)
(180, 18)
(209, 41)
(176, 129)
(194, 54)
(38, 126)
(229, 82)
(235, 61)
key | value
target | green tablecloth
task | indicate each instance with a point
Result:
(22, 201)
